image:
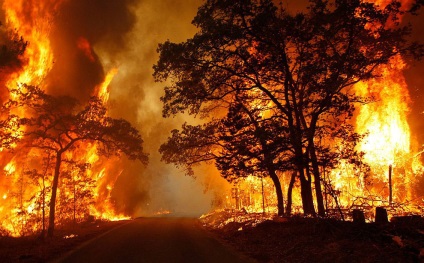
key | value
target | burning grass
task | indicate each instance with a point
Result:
(298, 239)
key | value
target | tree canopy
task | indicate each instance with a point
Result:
(298, 67)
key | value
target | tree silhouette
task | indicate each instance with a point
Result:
(242, 143)
(300, 65)
(59, 124)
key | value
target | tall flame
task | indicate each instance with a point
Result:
(32, 20)
(387, 146)
(385, 120)
(19, 192)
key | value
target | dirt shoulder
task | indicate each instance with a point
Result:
(322, 240)
(33, 249)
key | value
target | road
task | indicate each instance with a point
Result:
(155, 240)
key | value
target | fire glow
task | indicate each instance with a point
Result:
(20, 205)
(388, 146)
(388, 149)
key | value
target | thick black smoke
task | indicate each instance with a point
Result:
(79, 24)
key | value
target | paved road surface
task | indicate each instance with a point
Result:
(155, 240)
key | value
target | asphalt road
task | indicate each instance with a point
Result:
(155, 240)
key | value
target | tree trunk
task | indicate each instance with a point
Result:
(289, 194)
(54, 192)
(278, 191)
(306, 193)
(44, 207)
(305, 180)
(317, 180)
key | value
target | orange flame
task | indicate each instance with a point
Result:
(19, 193)
(387, 145)
(34, 24)
(102, 89)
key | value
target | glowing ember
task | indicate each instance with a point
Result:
(70, 236)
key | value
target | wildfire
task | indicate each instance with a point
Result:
(392, 158)
(27, 192)
(34, 25)
(387, 146)
(10, 168)
(385, 120)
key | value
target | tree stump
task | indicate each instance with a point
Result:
(381, 215)
(358, 216)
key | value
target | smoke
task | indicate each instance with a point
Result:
(415, 80)
(89, 38)
(78, 26)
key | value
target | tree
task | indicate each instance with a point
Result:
(300, 65)
(40, 179)
(254, 145)
(242, 143)
(77, 190)
(11, 48)
(59, 124)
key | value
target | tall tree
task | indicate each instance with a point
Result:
(59, 124)
(301, 65)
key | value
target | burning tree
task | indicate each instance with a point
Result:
(59, 125)
(301, 66)
(11, 49)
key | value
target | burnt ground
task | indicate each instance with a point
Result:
(322, 240)
(264, 239)
(34, 249)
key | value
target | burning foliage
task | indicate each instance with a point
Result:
(57, 161)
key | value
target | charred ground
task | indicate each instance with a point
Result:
(300, 239)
